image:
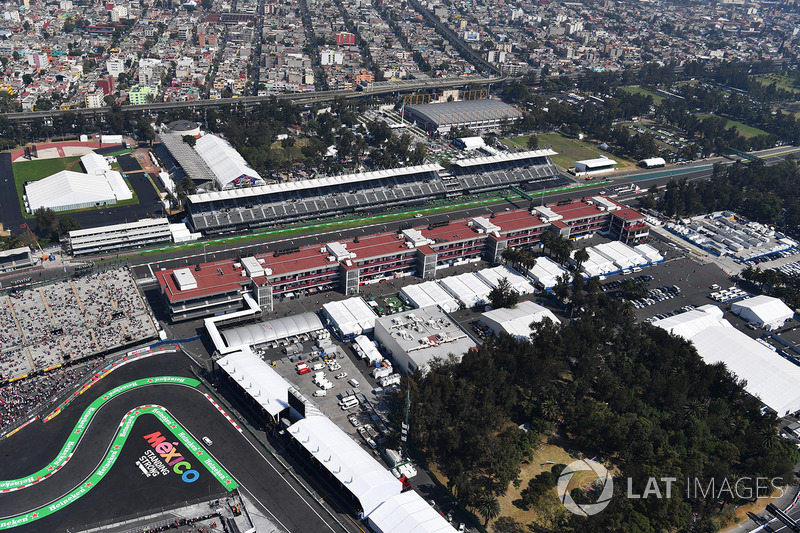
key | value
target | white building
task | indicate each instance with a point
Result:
(546, 272)
(763, 311)
(292, 327)
(230, 169)
(599, 165)
(770, 377)
(517, 320)
(518, 282)
(118, 236)
(408, 512)
(115, 67)
(467, 288)
(150, 71)
(413, 339)
(262, 383)
(428, 293)
(331, 57)
(350, 318)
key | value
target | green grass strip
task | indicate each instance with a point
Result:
(114, 450)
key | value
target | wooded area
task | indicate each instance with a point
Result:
(639, 400)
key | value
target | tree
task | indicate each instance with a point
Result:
(533, 142)
(68, 27)
(189, 139)
(46, 221)
(580, 257)
(488, 507)
(506, 524)
(504, 295)
(68, 223)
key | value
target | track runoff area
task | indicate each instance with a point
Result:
(163, 451)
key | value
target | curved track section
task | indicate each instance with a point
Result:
(181, 465)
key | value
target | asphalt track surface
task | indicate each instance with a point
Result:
(125, 490)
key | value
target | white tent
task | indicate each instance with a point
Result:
(467, 288)
(546, 271)
(408, 512)
(770, 377)
(650, 254)
(94, 164)
(596, 265)
(763, 311)
(229, 167)
(492, 277)
(428, 293)
(621, 255)
(517, 320)
(262, 383)
(351, 317)
(369, 350)
(352, 466)
(66, 190)
(272, 330)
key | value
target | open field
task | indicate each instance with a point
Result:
(781, 81)
(569, 150)
(657, 98)
(743, 129)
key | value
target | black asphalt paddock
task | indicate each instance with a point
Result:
(31, 448)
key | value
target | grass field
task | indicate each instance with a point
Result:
(781, 81)
(657, 98)
(743, 129)
(569, 150)
(26, 171)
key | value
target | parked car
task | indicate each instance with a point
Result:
(341, 375)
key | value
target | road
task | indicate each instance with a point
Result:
(124, 490)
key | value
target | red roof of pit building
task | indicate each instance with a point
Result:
(209, 281)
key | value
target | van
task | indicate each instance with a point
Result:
(348, 402)
(637, 269)
(353, 382)
(321, 392)
(318, 366)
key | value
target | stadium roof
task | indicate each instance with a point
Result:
(345, 460)
(770, 377)
(189, 160)
(67, 188)
(408, 512)
(500, 158)
(264, 385)
(464, 111)
(272, 330)
(312, 184)
(228, 165)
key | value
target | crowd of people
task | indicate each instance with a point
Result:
(19, 399)
(70, 319)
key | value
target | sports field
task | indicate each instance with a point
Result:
(569, 150)
(657, 98)
(781, 80)
(743, 129)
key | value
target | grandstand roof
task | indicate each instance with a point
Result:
(503, 157)
(312, 184)
(189, 160)
(345, 460)
(229, 167)
(464, 111)
(66, 188)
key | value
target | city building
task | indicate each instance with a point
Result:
(421, 252)
(139, 95)
(415, 338)
(472, 114)
(118, 237)
(95, 98)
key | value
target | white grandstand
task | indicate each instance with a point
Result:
(230, 169)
